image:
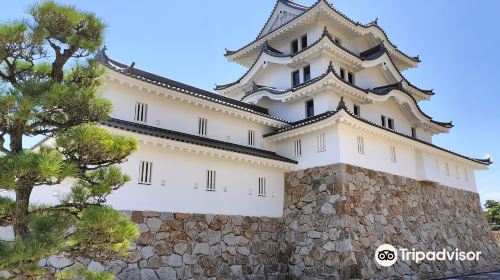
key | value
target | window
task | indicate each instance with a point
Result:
(350, 78)
(202, 126)
(393, 154)
(295, 78)
(210, 180)
(145, 172)
(298, 148)
(413, 132)
(307, 73)
(141, 112)
(342, 73)
(337, 40)
(357, 111)
(321, 143)
(262, 186)
(382, 119)
(390, 123)
(294, 46)
(303, 41)
(361, 145)
(309, 108)
(447, 170)
(251, 138)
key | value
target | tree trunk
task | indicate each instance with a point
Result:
(20, 220)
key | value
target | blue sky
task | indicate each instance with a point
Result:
(457, 42)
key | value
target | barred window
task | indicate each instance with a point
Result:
(361, 145)
(210, 180)
(251, 138)
(202, 126)
(141, 112)
(321, 143)
(145, 172)
(298, 148)
(262, 187)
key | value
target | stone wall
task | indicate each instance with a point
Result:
(336, 216)
(334, 219)
(185, 246)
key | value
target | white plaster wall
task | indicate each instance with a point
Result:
(178, 116)
(310, 156)
(372, 77)
(183, 171)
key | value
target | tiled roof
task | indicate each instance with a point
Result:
(342, 106)
(378, 91)
(370, 54)
(373, 23)
(151, 78)
(193, 139)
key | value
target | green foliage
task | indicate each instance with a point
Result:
(492, 211)
(48, 84)
(84, 274)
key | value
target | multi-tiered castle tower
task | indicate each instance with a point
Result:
(323, 133)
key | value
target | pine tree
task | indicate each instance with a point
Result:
(48, 84)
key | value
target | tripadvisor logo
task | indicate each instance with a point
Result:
(386, 255)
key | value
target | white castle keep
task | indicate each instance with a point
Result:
(320, 89)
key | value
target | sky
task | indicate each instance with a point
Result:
(457, 42)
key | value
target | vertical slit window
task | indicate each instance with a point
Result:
(321, 143)
(390, 123)
(447, 170)
(141, 112)
(251, 138)
(350, 78)
(298, 148)
(382, 120)
(210, 180)
(202, 126)
(309, 108)
(295, 78)
(262, 187)
(413, 132)
(307, 73)
(145, 172)
(393, 154)
(466, 176)
(294, 46)
(357, 111)
(303, 41)
(342, 73)
(361, 145)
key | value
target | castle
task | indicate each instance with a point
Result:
(302, 166)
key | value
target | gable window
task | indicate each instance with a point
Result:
(262, 187)
(393, 154)
(295, 78)
(251, 138)
(390, 123)
(298, 148)
(303, 41)
(413, 132)
(357, 111)
(342, 73)
(210, 180)
(382, 120)
(141, 112)
(307, 73)
(361, 145)
(350, 78)
(309, 108)
(321, 143)
(202, 126)
(145, 172)
(294, 46)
